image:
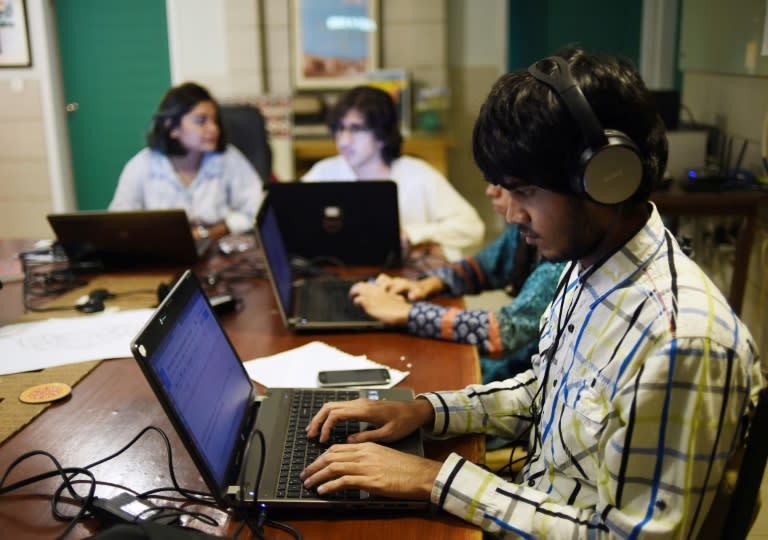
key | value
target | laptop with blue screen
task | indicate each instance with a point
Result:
(248, 447)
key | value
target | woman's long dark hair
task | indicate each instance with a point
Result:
(177, 102)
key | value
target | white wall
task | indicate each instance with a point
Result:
(34, 152)
(216, 44)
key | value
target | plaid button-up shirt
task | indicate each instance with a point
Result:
(633, 422)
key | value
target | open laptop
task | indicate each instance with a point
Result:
(127, 239)
(244, 444)
(356, 223)
(311, 304)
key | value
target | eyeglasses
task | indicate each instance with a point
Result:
(353, 129)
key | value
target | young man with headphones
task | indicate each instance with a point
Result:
(644, 375)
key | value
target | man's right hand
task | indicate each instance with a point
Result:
(393, 420)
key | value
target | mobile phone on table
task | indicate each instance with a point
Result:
(353, 377)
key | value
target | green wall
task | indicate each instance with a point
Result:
(538, 28)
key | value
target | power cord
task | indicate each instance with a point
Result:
(90, 505)
(67, 473)
(246, 268)
(114, 508)
(261, 520)
(92, 302)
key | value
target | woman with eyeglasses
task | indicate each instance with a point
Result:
(365, 126)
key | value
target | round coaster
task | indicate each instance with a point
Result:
(43, 393)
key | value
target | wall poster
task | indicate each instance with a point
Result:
(336, 42)
(14, 38)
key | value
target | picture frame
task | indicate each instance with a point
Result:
(335, 42)
(14, 35)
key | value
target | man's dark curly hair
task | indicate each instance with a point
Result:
(524, 130)
(380, 114)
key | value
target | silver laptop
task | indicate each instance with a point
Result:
(249, 448)
(127, 239)
(308, 304)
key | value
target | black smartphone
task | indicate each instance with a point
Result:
(353, 377)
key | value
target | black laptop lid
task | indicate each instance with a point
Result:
(114, 240)
(355, 223)
(199, 379)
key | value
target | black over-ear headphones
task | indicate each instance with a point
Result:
(609, 169)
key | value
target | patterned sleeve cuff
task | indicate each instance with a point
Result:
(440, 407)
(476, 495)
(425, 319)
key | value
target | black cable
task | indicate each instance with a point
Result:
(246, 268)
(539, 398)
(167, 511)
(256, 528)
(285, 527)
(187, 494)
(192, 495)
(67, 473)
(85, 503)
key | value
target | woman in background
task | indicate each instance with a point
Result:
(188, 164)
(365, 126)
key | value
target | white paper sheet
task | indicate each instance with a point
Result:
(298, 368)
(55, 342)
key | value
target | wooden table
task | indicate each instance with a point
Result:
(675, 203)
(114, 403)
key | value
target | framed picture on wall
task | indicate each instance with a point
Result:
(14, 38)
(335, 42)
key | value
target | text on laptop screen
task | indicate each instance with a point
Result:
(277, 257)
(213, 405)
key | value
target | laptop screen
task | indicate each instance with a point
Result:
(276, 256)
(204, 382)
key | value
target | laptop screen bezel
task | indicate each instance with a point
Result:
(261, 218)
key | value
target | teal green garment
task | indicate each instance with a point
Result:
(518, 321)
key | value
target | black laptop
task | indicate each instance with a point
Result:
(309, 304)
(248, 447)
(127, 239)
(355, 223)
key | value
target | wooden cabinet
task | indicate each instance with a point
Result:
(431, 148)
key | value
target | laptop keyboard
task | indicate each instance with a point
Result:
(333, 305)
(301, 451)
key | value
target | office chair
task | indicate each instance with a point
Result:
(746, 493)
(246, 129)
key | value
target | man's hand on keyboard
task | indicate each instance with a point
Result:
(393, 420)
(380, 470)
